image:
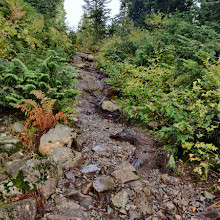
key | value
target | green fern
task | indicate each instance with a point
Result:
(52, 76)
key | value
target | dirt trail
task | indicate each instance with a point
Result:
(149, 194)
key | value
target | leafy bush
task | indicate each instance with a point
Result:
(171, 76)
(189, 115)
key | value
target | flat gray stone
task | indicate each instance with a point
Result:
(71, 208)
(70, 176)
(3, 177)
(8, 139)
(99, 149)
(102, 184)
(12, 168)
(143, 204)
(90, 169)
(9, 147)
(208, 195)
(65, 157)
(171, 207)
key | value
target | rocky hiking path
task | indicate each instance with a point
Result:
(89, 173)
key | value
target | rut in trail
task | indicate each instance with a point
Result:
(107, 186)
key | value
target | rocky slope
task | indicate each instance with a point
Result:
(90, 175)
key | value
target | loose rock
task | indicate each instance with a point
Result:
(125, 173)
(17, 127)
(103, 184)
(42, 174)
(166, 179)
(208, 195)
(110, 106)
(12, 168)
(70, 176)
(171, 208)
(120, 200)
(66, 157)
(143, 204)
(153, 125)
(90, 169)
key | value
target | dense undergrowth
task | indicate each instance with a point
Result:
(34, 53)
(170, 73)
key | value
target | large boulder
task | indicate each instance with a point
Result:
(41, 174)
(61, 135)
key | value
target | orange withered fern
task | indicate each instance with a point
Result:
(40, 119)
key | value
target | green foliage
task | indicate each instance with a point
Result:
(22, 27)
(137, 10)
(172, 76)
(205, 154)
(15, 29)
(86, 34)
(45, 7)
(50, 75)
(33, 52)
(92, 27)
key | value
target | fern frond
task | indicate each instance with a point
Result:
(39, 95)
(40, 116)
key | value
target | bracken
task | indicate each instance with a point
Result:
(40, 119)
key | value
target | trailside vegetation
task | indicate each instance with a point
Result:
(40, 119)
(34, 52)
(168, 71)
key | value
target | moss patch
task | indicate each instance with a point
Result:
(19, 182)
(15, 149)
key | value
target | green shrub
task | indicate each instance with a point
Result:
(188, 115)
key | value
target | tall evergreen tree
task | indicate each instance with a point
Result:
(209, 11)
(98, 12)
(138, 9)
(45, 7)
